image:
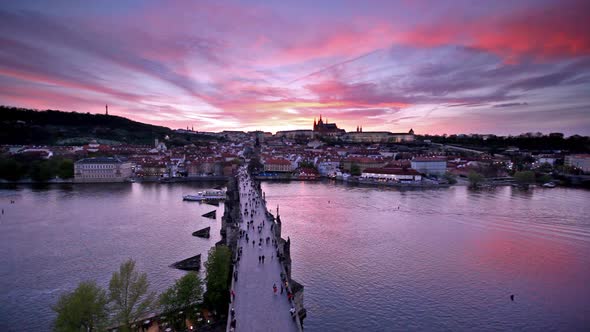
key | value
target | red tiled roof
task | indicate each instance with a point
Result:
(425, 159)
(395, 171)
(277, 162)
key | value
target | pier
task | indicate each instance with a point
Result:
(255, 305)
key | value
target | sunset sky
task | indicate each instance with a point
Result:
(503, 67)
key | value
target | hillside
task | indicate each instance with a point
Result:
(27, 126)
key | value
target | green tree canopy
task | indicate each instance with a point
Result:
(307, 164)
(255, 165)
(545, 178)
(475, 179)
(355, 170)
(129, 293)
(42, 171)
(524, 177)
(84, 309)
(66, 169)
(186, 291)
(545, 168)
(450, 177)
(11, 169)
(218, 278)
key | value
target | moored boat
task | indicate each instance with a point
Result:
(208, 195)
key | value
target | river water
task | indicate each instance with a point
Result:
(371, 259)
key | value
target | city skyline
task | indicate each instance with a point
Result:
(499, 68)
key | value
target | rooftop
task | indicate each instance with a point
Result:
(395, 171)
(100, 160)
(429, 159)
(277, 162)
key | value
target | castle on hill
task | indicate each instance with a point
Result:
(323, 128)
(326, 129)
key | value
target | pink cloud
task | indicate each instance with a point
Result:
(556, 30)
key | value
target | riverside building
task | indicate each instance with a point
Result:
(430, 165)
(392, 174)
(581, 161)
(103, 169)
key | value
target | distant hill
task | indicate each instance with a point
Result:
(27, 126)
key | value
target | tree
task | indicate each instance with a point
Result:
(451, 179)
(83, 309)
(544, 168)
(129, 294)
(41, 171)
(524, 178)
(545, 178)
(186, 291)
(307, 164)
(355, 170)
(66, 169)
(11, 169)
(475, 179)
(255, 165)
(218, 278)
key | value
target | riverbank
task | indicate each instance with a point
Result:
(131, 180)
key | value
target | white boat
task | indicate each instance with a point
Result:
(208, 195)
(549, 185)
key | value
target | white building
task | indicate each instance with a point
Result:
(328, 167)
(278, 165)
(103, 169)
(581, 161)
(431, 165)
(378, 137)
(292, 134)
(391, 174)
(546, 160)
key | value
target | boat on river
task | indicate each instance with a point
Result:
(549, 185)
(207, 195)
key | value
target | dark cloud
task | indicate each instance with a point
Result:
(542, 81)
(510, 105)
(78, 37)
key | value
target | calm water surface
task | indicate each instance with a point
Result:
(438, 260)
(370, 259)
(51, 239)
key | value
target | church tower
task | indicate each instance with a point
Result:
(106, 107)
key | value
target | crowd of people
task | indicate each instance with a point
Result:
(251, 231)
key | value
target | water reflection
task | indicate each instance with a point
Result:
(54, 237)
(371, 259)
(381, 259)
